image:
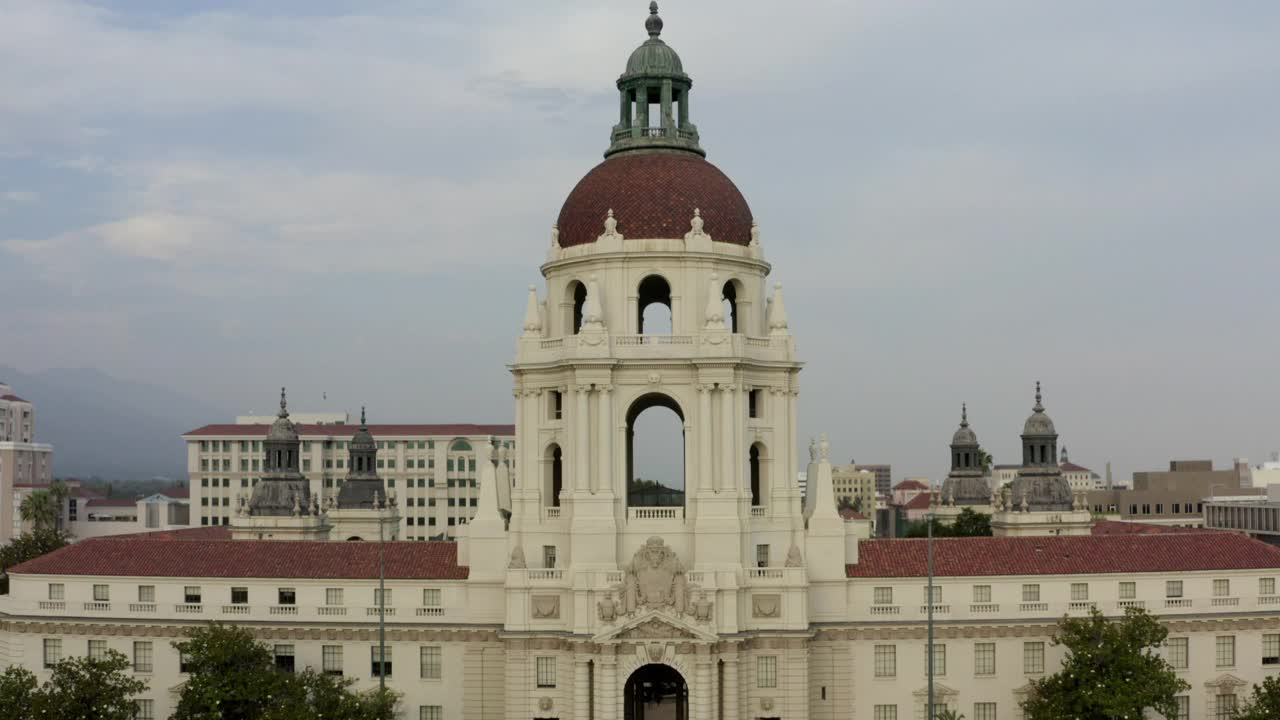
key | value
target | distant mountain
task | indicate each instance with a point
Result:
(110, 428)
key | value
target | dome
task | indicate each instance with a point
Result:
(964, 436)
(282, 430)
(653, 195)
(654, 57)
(362, 440)
(1038, 423)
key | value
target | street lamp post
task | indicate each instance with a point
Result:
(929, 609)
(382, 601)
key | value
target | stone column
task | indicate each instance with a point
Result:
(701, 695)
(582, 438)
(607, 683)
(727, 425)
(642, 107)
(705, 437)
(666, 108)
(730, 684)
(581, 702)
(684, 109)
(604, 442)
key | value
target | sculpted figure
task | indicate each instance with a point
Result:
(655, 579)
(608, 608)
(702, 608)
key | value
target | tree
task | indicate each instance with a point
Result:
(234, 677)
(43, 508)
(845, 503)
(985, 460)
(84, 688)
(1112, 671)
(25, 547)
(1264, 703)
(17, 688)
(948, 714)
(971, 524)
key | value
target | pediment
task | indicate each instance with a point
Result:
(1226, 681)
(655, 625)
(939, 691)
(176, 690)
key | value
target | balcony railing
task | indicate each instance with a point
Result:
(1226, 601)
(430, 611)
(97, 606)
(1034, 607)
(758, 511)
(188, 608)
(1125, 604)
(937, 609)
(984, 608)
(766, 572)
(885, 609)
(1177, 602)
(655, 513)
(374, 611)
(551, 513)
(235, 609)
(546, 573)
(53, 604)
(331, 610)
(1078, 605)
(284, 610)
(653, 339)
(1269, 599)
(142, 607)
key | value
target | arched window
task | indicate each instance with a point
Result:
(730, 293)
(655, 452)
(653, 306)
(753, 460)
(460, 445)
(577, 295)
(553, 475)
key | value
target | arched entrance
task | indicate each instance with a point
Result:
(655, 692)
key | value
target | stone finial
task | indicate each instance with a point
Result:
(297, 506)
(592, 308)
(793, 557)
(755, 234)
(1026, 504)
(813, 450)
(714, 314)
(532, 318)
(555, 237)
(610, 225)
(1039, 406)
(778, 323)
(517, 561)
(502, 454)
(824, 448)
(284, 405)
(653, 23)
(696, 231)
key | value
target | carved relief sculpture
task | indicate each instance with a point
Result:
(655, 579)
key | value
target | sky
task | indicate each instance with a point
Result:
(350, 198)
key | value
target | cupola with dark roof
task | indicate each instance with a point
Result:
(282, 489)
(363, 488)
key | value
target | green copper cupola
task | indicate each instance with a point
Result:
(653, 96)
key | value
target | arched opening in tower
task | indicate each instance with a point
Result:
(730, 293)
(553, 475)
(577, 296)
(753, 462)
(655, 452)
(653, 306)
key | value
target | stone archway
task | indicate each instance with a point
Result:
(655, 692)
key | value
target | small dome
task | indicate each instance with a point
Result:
(282, 430)
(965, 436)
(1039, 423)
(362, 440)
(654, 57)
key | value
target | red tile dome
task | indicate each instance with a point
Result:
(653, 195)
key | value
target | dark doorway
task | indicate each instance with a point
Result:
(655, 692)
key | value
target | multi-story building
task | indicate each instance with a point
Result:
(23, 461)
(883, 473)
(1256, 515)
(1078, 477)
(586, 602)
(1172, 497)
(431, 468)
(1267, 473)
(858, 485)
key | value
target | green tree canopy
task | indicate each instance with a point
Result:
(84, 688)
(18, 688)
(43, 508)
(1112, 671)
(1264, 703)
(971, 524)
(25, 547)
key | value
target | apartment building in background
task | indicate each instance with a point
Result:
(23, 461)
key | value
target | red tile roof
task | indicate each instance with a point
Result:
(346, 431)
(1072, 467)
(910, 485)
(1064, 555)
(1116, 527)
(94, 502)
(210, 553)
(176, 493)
(849, 513)
(11, 398)
(919, 502)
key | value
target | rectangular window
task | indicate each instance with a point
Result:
(191, 594)
(1266, 586)
(939, 659)
(982, 593)
(380, 665)
(984, 659)
(430, 712)
(144, 710)
(1184, 707)
(239, 596)
(883, 596)
(767, 671)
(1271, 649)
(1176, 652)
(431, 663)
(1173, 588)
(1221, 587)
(284, 657)
(1225, 651)
(431, 597)
(546, 672)
(984, 711)
(331, 659)
(1128, 590)
(287, 596)
(937, 594)
(382, 598)
(142, 656)
(57, 591)
(886, 661)
(755, 403)
(1079, 592)
(101, 593)
(52, 651)
(333, 596)
(548, 556)
(1226, 706)
(1031, 592)
(97, 649)
(884, 712)
(1033, 657)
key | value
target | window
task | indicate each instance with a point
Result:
(762, 555)
(191, 595)
(546, 672)
(57, 591)
(886, 661)
(284, 657)
(431, 597)
(1225, 651)
(984, 659)
(430, 661)
(430, 712)
(1031, 592)
(331, 659)
(239, 596)
(1271, 649)
(142, 656)
(939, 659)
(755, 403)
(1079, 592)
(1173, 588)
(97, 649)
(884, 712)
(144, 710)
(1176, 652)
(982, 593)
(1225, 706)
(548, 556)
(1266, 586)
(767, 671)
(984, 711)
(1033, 657)
(380, 664)
(937, 594)
(1184, 707)
(883, 596)
(1128, 590)
(52, 651)
(381, 598)
(1221, 587)
(101, 593)
(333, 596)
(287, 596)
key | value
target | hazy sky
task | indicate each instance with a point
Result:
(961, 198)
